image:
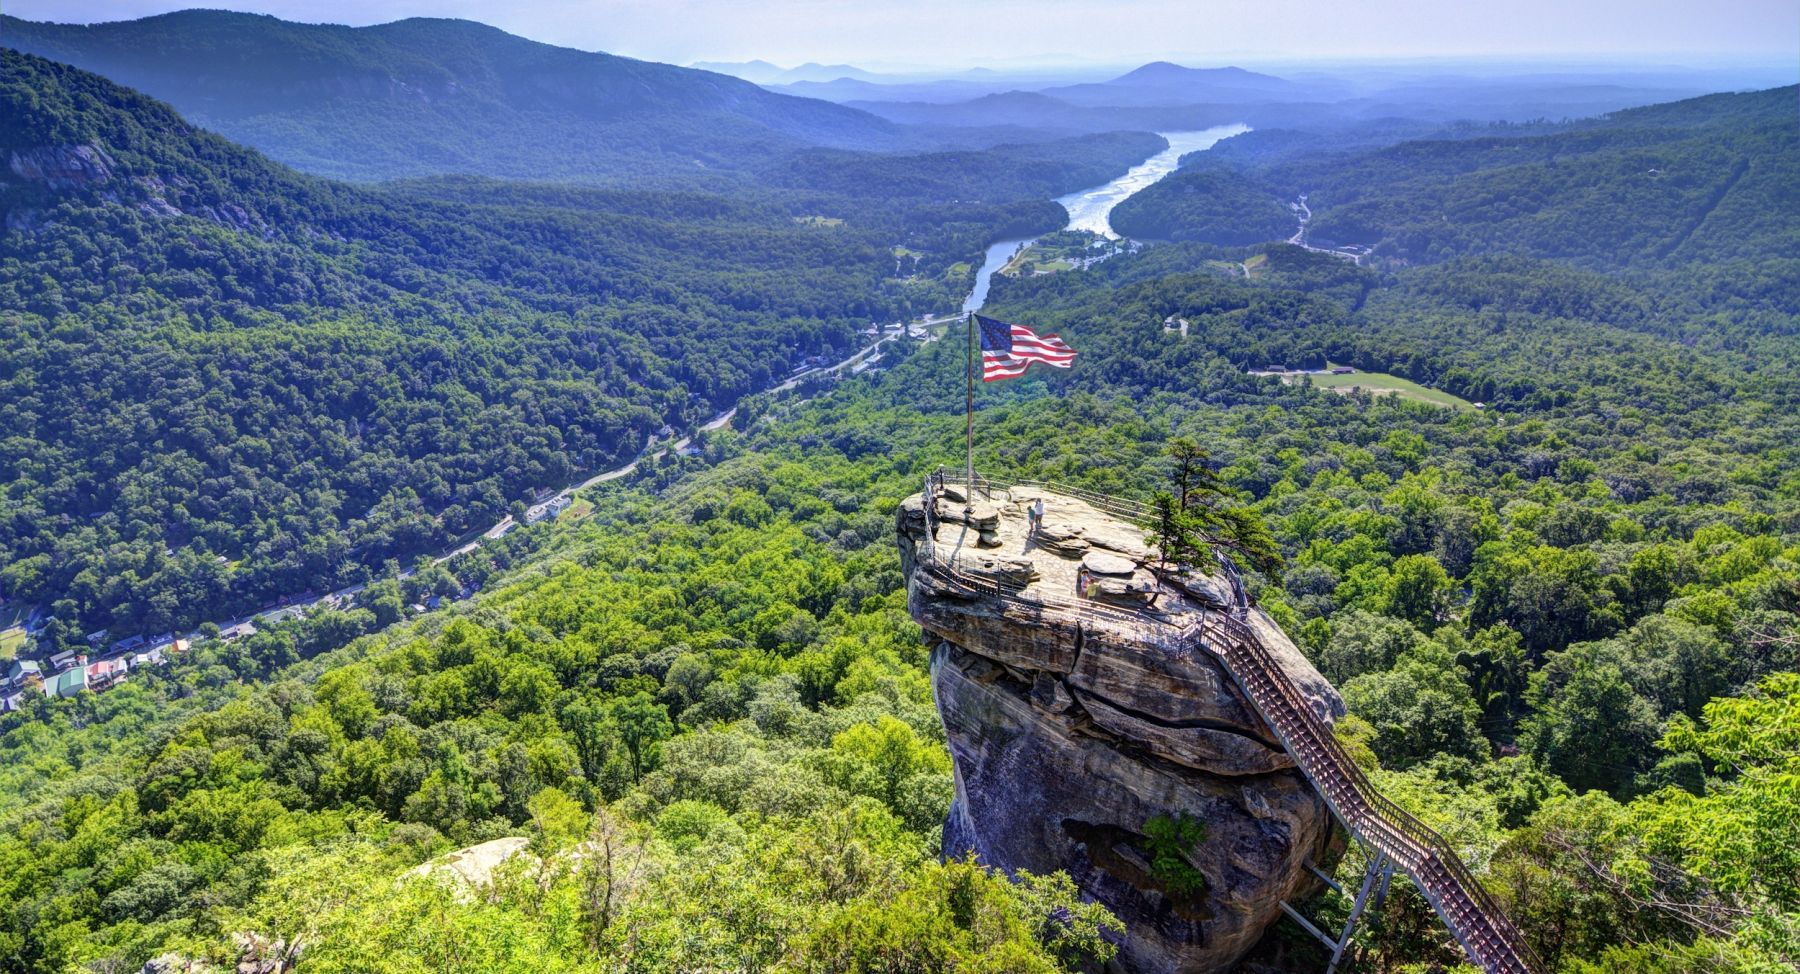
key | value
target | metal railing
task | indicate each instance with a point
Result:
(1472, 916)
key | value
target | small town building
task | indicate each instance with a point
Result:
(149, 657)
(66, 684)
(548, 509)
(107, 672)
(22, 670)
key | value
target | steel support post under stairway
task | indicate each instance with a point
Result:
(1374, 878)
(1374, 888)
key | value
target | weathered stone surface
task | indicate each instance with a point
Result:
(1033, 792)
(1134, 592)
(1212, 591)
(1123, 539)
(1171, 688)
(949, 613)
(1063, 538)
(983, 516)
(1102, 563)
(1072, 725)
(1012, 572)
(1221, 751)
(62, 167)
(1311, 683)
(475, 864)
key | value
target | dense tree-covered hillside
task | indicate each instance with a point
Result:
(1566, 625)
(227, 381)
(427, 96)
(1708, 181)
(1528, 610)
(1214, 204)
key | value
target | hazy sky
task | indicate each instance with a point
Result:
(968, 32)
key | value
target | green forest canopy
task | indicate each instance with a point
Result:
(1564, 626)
(278, 383)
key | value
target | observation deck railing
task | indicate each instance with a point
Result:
(1470, 914)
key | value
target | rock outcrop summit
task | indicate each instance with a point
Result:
(1073, 725)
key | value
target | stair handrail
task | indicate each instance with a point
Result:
(1415, 837)
(1378, 820)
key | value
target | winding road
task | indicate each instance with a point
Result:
(243, 625)
(1299, 237)
(1088, 205)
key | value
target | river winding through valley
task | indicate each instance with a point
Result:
(1090, 209)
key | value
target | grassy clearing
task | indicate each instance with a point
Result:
(578, 510)
(1256, 266)
(1035, 260)
(819, 221)
(11, 641)
(1382, 384)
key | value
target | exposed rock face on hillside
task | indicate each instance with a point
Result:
(62, 167)
(1070, 735)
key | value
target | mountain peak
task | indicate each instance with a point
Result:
(1164, 72)
(471, 97)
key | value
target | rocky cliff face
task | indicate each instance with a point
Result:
(41, 174)
(1069, 736)
(62, 168)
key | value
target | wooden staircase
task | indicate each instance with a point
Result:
(1472, 917)
(1470, 914)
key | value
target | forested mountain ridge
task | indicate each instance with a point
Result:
(278, 381)
(1564, 625)
(427, 96)
(1528, 611)
(1695, 182)
(1161, 83)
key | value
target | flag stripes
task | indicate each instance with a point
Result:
(1007, 350)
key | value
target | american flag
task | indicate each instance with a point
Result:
(1007, 350)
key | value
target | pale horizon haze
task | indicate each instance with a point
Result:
(967, 33)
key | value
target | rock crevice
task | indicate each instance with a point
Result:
(1068, 737)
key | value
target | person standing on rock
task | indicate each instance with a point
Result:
(1034, 515)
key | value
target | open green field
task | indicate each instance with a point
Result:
(11, 641)
(1382, 384)
(1036, 260)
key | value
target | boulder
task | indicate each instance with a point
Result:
(1010, 572)
(1213, 591)
(1062, 538)
(474, 865)
(1102, 563)
(1136, 590)
(1072, 724)
(983, 516)
(1035, 791)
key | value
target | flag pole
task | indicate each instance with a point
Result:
(969, 412)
